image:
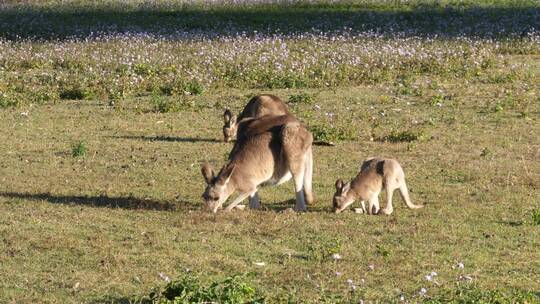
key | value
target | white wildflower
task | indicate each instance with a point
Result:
(336, 256)
(164, 277)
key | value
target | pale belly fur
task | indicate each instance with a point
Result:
(278, 181)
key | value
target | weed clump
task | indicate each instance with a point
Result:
(331, 134)
(402, 136)
(301, 98)
(79, 150)
(189, 289)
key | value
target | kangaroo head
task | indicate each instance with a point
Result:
(216, 192)
(229, 126)
(341, 199)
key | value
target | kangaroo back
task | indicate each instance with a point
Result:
(262, 105)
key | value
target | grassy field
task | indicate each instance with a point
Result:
(107, 111)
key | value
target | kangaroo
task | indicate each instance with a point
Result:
(271, 151)
(375, 174)
(257, 106)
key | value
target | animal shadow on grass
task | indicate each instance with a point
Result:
(426, 19)
(129, 202)
(169, 138)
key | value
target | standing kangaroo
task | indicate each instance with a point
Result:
(257, 106)
(269, 151)
(375, 174)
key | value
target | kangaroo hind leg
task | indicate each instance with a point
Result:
(296, 142)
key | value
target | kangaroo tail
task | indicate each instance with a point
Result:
(405, 195)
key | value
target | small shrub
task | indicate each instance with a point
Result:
(322, 250)
(170, 104)
(189, 289)
(163, 105)
(79, 150)
(301, 98)
(329, 134)
(402, 136)
(194, 88)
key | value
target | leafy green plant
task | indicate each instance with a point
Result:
(79, 149)
(188, 289)
(383, 250)
(437, 99)
(330, 134)
(322, 249)
(403, 136)
(194, 88)
(171, 104)
(179, 88)
(162, 105)
(301, 98)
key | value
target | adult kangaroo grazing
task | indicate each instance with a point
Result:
(270, 151)
(257, 106)
(375, 174)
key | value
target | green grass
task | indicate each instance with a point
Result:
(101, 228)
(106, 219)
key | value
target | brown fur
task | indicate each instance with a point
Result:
(260, 105)
(375, 175)
(269, 151)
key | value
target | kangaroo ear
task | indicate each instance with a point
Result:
(207, 172)
(339, 185)
(227, 116)
(226, 172)
(346, 187)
